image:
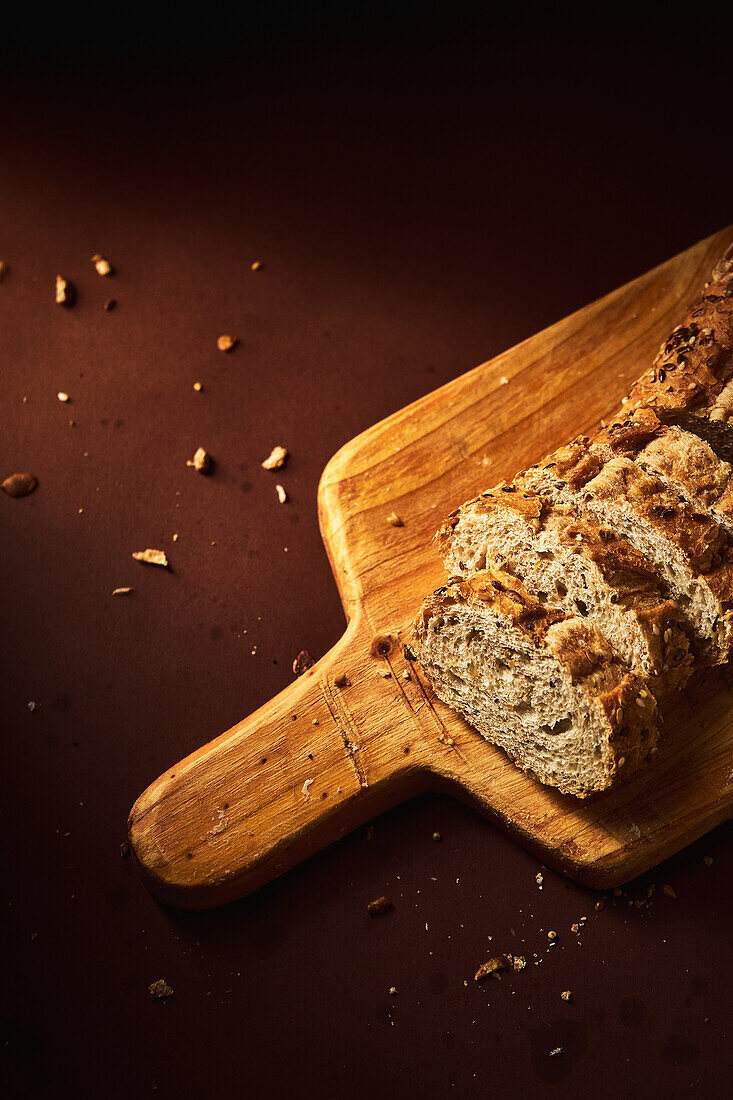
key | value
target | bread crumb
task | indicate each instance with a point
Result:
(499, 962)
(152, 557)
(707, 860)
(539, 879)
(406, 675)
(159, 990)
(104, 267)
(282, 496)
(552, 935)
(63, 397)
(256, 265)
(65, 293)
(226, 343)
(122, 591)
(379, 905)
(393, 990)
(19, 485)
(305, 789)
(175, 538)
(201, 461)
(198, 387)
(669, 891)
(504, 381)
(276, 459)
(556, 1050)
(395, 520)
(302, 662)
(32, 705)
(519, 962)
(599, 905)
(437, 836)
(566, 995)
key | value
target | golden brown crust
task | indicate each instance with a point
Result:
(696, 361)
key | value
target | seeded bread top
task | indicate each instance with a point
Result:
(696, 361)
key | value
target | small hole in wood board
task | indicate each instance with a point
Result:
(263, 760)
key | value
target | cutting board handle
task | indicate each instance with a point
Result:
(275, 788)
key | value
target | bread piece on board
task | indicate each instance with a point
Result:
(684, 462)
(545, 687)
(573, 563)
(691, 554)
(688, 383)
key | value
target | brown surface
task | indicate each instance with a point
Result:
(275, 788)
(418, 207)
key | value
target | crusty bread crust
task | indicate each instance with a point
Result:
(695, 363)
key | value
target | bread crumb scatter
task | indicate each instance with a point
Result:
(122, 591)
(226, 343)
(19, 485)
(65, 292)
(159, 990)
(302, 662)
(151, 557)
(282, 496)
(201, 461)
(379, 905)
(492, 966)
(103, 267)
(395, 520)
(63, 397)
(519, 962)
(669, 891)
(276, 459)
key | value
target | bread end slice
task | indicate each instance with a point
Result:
(544, 686)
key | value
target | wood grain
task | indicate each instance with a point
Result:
(326, 755)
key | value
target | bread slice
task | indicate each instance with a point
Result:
(691, 553)
(573, 563)
(681, 460)
(544, 686)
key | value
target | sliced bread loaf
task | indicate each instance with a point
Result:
(690, 552)
(574, 563)
(545, 687)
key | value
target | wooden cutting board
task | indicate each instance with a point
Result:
(346, 741)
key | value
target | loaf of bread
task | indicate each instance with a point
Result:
(542, 685)
(591, 584)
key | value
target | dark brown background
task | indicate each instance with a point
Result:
(424, 190)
